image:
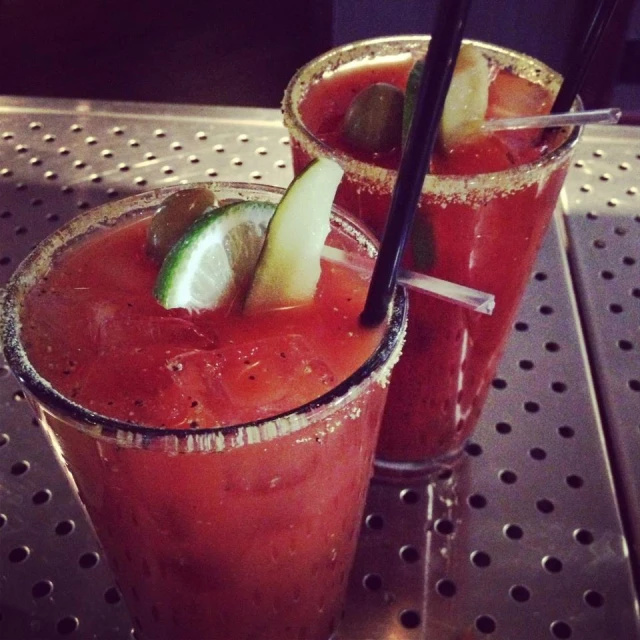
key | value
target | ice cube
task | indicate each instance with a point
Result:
(197, 374)
(246, 382)
(54, 332)
(176, 332)
(274, 375)
(117, 326)
(135, 384)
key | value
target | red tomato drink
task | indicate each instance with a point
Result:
(482, 216)
(223, 459)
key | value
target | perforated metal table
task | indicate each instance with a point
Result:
(535, 536)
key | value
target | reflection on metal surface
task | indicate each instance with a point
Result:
(524, 540)
(606, 260)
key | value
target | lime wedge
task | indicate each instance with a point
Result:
(466, 103)
(288, 269)
(411, 96)
(215, 258)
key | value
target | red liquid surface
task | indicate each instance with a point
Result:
(439, 387)
(252, 542)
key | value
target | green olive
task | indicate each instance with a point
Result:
(173, 217)
(373, 122)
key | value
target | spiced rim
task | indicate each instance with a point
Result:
(363, 50)
(31, 269)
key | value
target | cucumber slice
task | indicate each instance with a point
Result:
(288, 269)
(215, 258)
(466, 103)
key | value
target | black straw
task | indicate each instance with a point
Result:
(414, 164)
(583, 55)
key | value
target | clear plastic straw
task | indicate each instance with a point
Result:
(595, 116)
(443, 289)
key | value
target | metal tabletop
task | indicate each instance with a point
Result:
(535, 536)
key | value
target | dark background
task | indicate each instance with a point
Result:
(243, 52)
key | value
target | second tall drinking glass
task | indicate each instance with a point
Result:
(482, 217)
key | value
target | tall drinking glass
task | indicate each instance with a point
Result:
(480, 221)
(240, 531)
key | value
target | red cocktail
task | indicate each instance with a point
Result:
(482, 216)
(223, 459)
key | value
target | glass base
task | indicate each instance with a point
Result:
(402, 471)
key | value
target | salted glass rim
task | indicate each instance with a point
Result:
(437, 184)
(376, 368)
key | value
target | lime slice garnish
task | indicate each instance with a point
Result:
(215, 258)
(288, 270)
